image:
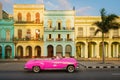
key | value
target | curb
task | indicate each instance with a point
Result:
(102, 67)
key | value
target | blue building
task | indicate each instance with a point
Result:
(59, 33)
(6, 38)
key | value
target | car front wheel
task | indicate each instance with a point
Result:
(36, 69)
(70, 68)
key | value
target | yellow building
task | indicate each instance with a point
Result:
(88, 45)
(28, 30)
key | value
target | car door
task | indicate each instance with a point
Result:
(48, 64)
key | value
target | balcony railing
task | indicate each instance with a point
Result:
(59, 39)
(28, 39)
(50, 39)
(4, 40)
(69, 39)
(56, 29)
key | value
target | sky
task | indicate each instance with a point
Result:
(82, 7)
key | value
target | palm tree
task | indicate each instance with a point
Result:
(107, 22)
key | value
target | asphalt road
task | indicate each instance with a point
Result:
(15, 71)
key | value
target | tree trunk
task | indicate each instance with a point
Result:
(103, 50)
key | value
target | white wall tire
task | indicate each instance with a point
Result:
(70, 69)
(36, 69)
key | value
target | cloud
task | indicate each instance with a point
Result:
(39, 1)
(83, 10)
(64, 4)
(59, 5)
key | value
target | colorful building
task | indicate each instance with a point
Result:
(90, 46)
(59, 33)
(6, 38)
(36, 33)
(28, 30)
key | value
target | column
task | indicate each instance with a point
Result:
(97, 51)
(54, 50)
(86, 51)
(117, 50)
(109, 50)
(33, 52)
(3, 52)
(63, 51)
(92, 51)
(24, 52)
(13, 51)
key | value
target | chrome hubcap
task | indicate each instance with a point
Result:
(36, 69)
(70, 68)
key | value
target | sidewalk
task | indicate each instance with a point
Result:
(99, 64)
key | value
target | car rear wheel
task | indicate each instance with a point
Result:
(70, 69)
(36, 69)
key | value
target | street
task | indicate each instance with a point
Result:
(15, 71)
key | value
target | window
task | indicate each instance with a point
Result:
(20, 33)
(59, 36)
(37, 32)
(49, 36)
(80, 32)
(59, 25)
(68, 36)
(28, 34)
(92, 31)
(50, 23)
(19, 17)
(8, 35)
(37, 18)
(28, 17)
(115, 32)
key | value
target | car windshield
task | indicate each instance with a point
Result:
(57, 58)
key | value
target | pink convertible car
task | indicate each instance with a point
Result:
(36, 65)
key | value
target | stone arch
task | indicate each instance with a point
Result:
(50, 51)
(68, 50)
(115, 49)
(20, 52)
(91, 49)
(80, 49)
(59, 50)
(37, 51)
(29, 52)
(8, 51)
(105, 49)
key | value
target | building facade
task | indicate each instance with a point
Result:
(90, 46)
(36, 33)
(59, 33)
(28, 30)
(6, 39)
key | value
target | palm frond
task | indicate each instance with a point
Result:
(98, 30)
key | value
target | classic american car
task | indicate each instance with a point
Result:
(36, 65)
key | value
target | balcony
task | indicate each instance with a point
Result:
(69, 39)
(116, 37)
(50, 39)
(59, 39)
(56, 29)
(28, 39)
(4, 40)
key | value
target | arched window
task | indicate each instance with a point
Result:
(8, 35)
(37, 17)
(50, 23)
(19, 33)
(28, 17)
(19, 17)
